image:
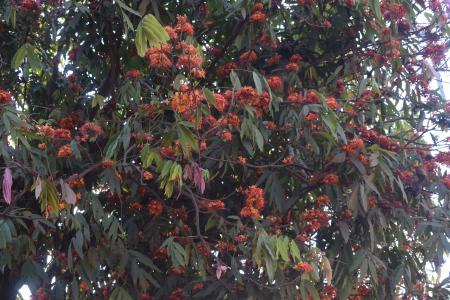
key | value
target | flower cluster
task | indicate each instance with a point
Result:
(155, 208)
(249, 96)
(303, 267)
(443, 158)
(212, 204)
(446, 182)
(30, 5)
(5, 97)
(353, 146)
(159, 56)
(76, 182)
(90, 130)
(380, 139)
(65, 151)
(294, 63)
(133, 74)
(258, 16)
(225, 69)
(331, 179)
(275, 83)
(332, 103)
(248, 57)
(224, 247)
(322, 200)
(55, 133)
(184, 101)
(190, 59)
(315, 219)
(254, 202)
(328, 293)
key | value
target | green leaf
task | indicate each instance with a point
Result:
(119, 293)
(111, 150)
(270, 268)
(149, 32)
(235, 80)
(77, 243)
(140, 41)
(48, 196)
(345, 230)
(98, 100)
(312, 291)
(149, 155)
(210, 97)
(295, 252)
(376, 8)
(282, 247)
(176, 252)
(259, 138)
(31, 53)
(126, 136)
(258, 84)
(127, 8)
(19, 56)
(187, 139)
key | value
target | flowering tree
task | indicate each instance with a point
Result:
(223, 149)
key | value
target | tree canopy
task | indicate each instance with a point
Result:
(224, 149)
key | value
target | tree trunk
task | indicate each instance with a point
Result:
(9, 286)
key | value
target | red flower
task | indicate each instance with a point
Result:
(332, 103)
(66, 123)
(62, 134)
(30, 5)
(306, 2)
(292, 67)
(273, 60)
(226, 135)
(288, 160)
(275, 83)
(221, 102)
(89, 130)
(72, 77)
(158, 57)
(184, 26)
(185, 101)
(312, 97)
(108, 163)
(295, 58)
(133, 74)
(303, 267)
(347, 214)
(5, 97)
(322, 200)
(258, 17)
(155, 208)
(171, 32)
(254, 202)
(65, 151)
(258, 6)
(446, 182)
(177, 294)
(331, 179)
(248, 57)
(242, 160)
(249, 212)
(224, 70)
(72, 54)
(311, 117)
(212, 204)
(353, 146)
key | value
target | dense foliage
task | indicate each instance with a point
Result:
(223, 149)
